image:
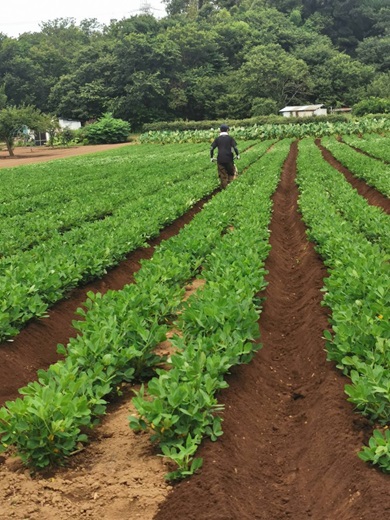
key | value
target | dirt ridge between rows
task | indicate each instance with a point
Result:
(35, 346)
(290, 441)
(118, 473)
(363, 152)
(373, 196)
(290, 436)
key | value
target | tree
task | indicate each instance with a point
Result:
(74, 99)
(143, 99)
(340, 80)
(380, 86)
(235, 37)
(206, 59)
(264, 107)
(32, 64)
(375, 51)
(271, 72)
(14, 120)
(21, 76)
(174, 7)
(86, 92)
(144, 24)
(3, 97)
(198, 46)
(347, 21)
(318, 50)
(371, 105)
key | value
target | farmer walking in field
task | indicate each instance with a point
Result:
(225, 162)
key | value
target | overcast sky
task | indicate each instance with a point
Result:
(26, 15)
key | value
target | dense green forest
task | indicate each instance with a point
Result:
(207, 59)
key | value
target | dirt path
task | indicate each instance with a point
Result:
(375, 197)
(35, 346)
(26, 155)
(290, 437)
(118, 474)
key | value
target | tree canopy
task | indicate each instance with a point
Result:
(206, 59)
(18, 121)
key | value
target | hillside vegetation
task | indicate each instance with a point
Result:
(203, 60)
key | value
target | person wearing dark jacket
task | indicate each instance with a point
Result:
(225, 163)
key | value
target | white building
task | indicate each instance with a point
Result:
(42, 138)
(68, 123)
(304, 111)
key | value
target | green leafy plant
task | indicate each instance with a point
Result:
(372, 105)
(182, 455)
(378, 450)
(356, 289)
(218, 323)
(107, 130)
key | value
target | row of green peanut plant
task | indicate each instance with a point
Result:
(115, 342)
(40, 184)
(374, 171)
(217, 324)
(272, 131)
(358, 293)
(70, 204)
(376, 145)
(32, 280)
(102, 195)
(369, 220)
(28, 192)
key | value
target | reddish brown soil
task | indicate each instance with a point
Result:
(290, 436)
(375, 197)
(26, 155)
(36, 345)
(363, 151)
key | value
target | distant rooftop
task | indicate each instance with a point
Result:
(344, 109)
(301, 108)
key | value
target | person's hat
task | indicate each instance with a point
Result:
(224, 128)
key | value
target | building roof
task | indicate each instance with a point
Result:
(302, 108)
(345, 109)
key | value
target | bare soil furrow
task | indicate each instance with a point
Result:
(35, 346)
(373, 196)
(290, 436)
(363, 152)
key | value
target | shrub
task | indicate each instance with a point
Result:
(372, 105)
(66, 136)
(264, 107)
(107, 130)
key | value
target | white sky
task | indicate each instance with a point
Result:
(26, 15)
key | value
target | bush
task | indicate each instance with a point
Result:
(372, 105)
(107, 130)
(264, 107)
(66, 136)
(182, 126)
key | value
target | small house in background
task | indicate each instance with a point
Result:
(304, 111)
(42, 138)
